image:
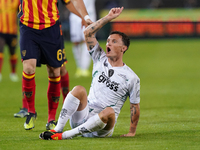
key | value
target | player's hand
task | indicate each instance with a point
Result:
(128, 135)
(88, 22)
(84, 23)
(115, 12)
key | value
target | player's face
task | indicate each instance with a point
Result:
(114, 46)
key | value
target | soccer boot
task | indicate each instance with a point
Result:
(85, 73)
(51, 135)
(51, 125)
(22, 113)
(30, 121)
(14, 77)
(78, 73)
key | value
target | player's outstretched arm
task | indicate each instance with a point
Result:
(135, 114)
(80, 7)
(96, 26)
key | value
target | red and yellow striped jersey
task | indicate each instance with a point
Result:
(8, 16)
(39, 14)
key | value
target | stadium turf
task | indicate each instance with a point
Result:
(169, 70)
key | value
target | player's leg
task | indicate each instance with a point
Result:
(63, 71)
(76, 100)
(81, 54)
(28, 85)
(13, 57)
(24, 110)
(53, 95)
(2, 44)
(13, 61)
(85, 59)
(104, 120)
(29, 53)
(75, 36)
(101, 124)
(54, 60)
(64, 81)
(77, 57)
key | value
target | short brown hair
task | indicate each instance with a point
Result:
(125, 38)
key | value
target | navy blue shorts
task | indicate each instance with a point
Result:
(63, 48)
(44, 45)
(10, 39)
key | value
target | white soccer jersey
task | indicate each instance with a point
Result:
(111, 86)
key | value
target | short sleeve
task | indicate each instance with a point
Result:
(97, 53)
(135, 91)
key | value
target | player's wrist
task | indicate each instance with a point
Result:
(108, 18)
(87, 17)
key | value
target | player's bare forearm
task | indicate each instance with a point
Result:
(80, 6)
(96, 26)
(92, 29)
(81, 9)
(135, 114)
(72, 9)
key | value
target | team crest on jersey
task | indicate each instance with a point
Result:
(28, 94)
(63, 113)
(55, 99)
(110, 72)
(24, 53)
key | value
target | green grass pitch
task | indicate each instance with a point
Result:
(169, 70)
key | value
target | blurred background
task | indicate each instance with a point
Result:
(147, 18)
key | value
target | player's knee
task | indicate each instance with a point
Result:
(110, 111)
(63, 70)
(107, 114)
(29, 66)
(79, 92)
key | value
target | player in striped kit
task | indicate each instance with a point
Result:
(8, 34)
(113, 82)
(40, 40)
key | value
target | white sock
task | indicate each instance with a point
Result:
(85, 57)
(92, 124)
(70, 106)
(77, 55)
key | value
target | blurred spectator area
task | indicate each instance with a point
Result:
(102, 5)
(155, 24)
(143, 4)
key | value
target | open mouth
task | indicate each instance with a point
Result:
(108, 49)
